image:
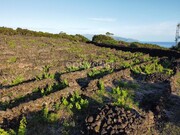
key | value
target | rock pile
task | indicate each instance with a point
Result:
(157, 77)
(115, 120)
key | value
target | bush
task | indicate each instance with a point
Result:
(104, 39)
(26, 32)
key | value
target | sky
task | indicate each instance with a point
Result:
(144, 20)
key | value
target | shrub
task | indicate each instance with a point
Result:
(145, 45)
(104, 39)
(81, 38)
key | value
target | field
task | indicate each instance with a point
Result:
(52, 86)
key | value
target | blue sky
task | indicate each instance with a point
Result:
(145, 20)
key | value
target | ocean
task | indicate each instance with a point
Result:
(163, 44)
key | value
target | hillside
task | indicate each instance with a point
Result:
(59, 84)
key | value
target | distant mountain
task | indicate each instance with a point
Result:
(90, 36)
(125, 39)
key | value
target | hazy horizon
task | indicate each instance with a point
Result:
(139, 19)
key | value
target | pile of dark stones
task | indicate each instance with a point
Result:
(114, 120)
(157, 77)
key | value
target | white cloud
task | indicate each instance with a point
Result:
(103, 19)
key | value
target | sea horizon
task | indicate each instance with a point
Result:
(162, 44)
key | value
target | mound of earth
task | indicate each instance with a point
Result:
(116, 120)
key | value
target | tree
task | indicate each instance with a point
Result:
(109, 34)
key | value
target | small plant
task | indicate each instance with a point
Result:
(136, 69)
(45, 112)
(47, 116)
(17, 80)
(72, 68)
(45, 74)
(75, 101)
(12, 60)
(64, 101)
(42, 91)
(168, 71)
(126, 64)
(11, 44)
(99, 73)
(101, 85)
(52, 117)
(56, 106)
(22, 126)
(9, 132)
(85, 65)
(49, 89)
(3, 132)
(122, 97)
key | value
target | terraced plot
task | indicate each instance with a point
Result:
(67, 87)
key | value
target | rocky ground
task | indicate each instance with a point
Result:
(38, 72)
